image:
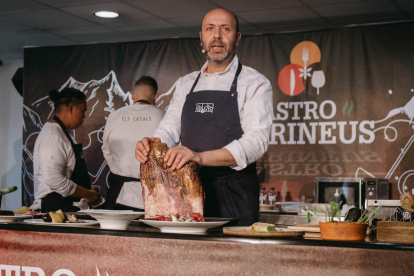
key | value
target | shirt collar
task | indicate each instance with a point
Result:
(232, 68)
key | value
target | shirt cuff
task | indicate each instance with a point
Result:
(238, 154)
(72, 188)
(165, 139)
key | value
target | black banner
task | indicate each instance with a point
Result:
(343, 100)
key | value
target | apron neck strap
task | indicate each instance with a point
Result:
(56, 118)
(143, 101)
(233, 85)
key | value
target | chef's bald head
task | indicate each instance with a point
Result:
(223, 10)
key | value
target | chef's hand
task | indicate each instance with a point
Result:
(91, 196)
(176, 157)
(143, 148)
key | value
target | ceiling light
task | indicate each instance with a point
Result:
(106, 14)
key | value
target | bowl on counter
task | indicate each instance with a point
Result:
(113, 219)
(343, 231)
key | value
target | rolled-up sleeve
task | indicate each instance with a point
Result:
(54, 157)
(256, 124)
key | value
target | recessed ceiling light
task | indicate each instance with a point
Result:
(106, 14)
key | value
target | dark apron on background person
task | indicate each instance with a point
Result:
(116, 182)
(80, 176)
(210, 120)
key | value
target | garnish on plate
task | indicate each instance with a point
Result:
(263, 227)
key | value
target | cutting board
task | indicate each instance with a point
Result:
(395, 231)
(311, 231)
(306, 227)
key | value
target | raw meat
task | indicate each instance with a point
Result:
(164, 190)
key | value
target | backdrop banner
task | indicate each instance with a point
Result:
(343, 100)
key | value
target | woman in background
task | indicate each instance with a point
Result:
(60, 173)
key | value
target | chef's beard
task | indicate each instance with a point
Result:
(220, 59)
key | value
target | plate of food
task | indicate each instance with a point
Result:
(180, 225)
(58, 218)
(24, 210)
(79, 223)
(260, 229)
(113, 219)
(10, 216)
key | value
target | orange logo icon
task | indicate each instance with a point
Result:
(292, 77)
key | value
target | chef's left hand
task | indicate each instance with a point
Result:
(176, 157)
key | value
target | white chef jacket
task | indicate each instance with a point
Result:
(255, 101)
(124, 128)
(53, 163)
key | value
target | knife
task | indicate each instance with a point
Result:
(292, 81)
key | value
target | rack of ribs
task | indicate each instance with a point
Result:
(178, 192)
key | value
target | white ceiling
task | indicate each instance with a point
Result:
(67, 22)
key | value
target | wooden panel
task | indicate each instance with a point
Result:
(306, 227)
(79, 255)
(394, 231)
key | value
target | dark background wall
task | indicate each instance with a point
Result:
(353, 110)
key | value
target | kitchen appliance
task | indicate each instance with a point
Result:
(352, 190)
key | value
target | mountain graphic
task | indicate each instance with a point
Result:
(163, 101)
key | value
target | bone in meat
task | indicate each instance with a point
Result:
(163, 189)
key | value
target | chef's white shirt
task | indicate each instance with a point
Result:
(124, 128)
(53, 163)
(255, 101)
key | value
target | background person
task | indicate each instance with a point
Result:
(123, 128)
(60, 173)
(222, 116)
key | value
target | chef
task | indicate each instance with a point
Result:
(60, 173)
(222, 116)
(123, 128)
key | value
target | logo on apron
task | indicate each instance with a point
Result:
(204, 107)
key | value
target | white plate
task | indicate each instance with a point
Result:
(13, 218)
(113, 219)
(183, 227)
(111, 212)
(41, 222)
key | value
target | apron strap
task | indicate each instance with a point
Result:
(195, 83)
(120, 178)
(56, 118)
(233, 88)
(233, 85)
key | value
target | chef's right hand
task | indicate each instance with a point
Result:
(91, 196)
(143, 148)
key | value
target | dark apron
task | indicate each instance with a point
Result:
(55, 201)
(116, 182)
(210, 120)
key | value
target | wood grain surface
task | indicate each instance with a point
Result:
(250, 233)
(395, 231)
(306, 227)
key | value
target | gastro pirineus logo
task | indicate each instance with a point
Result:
(293, 77)
(204, 107)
